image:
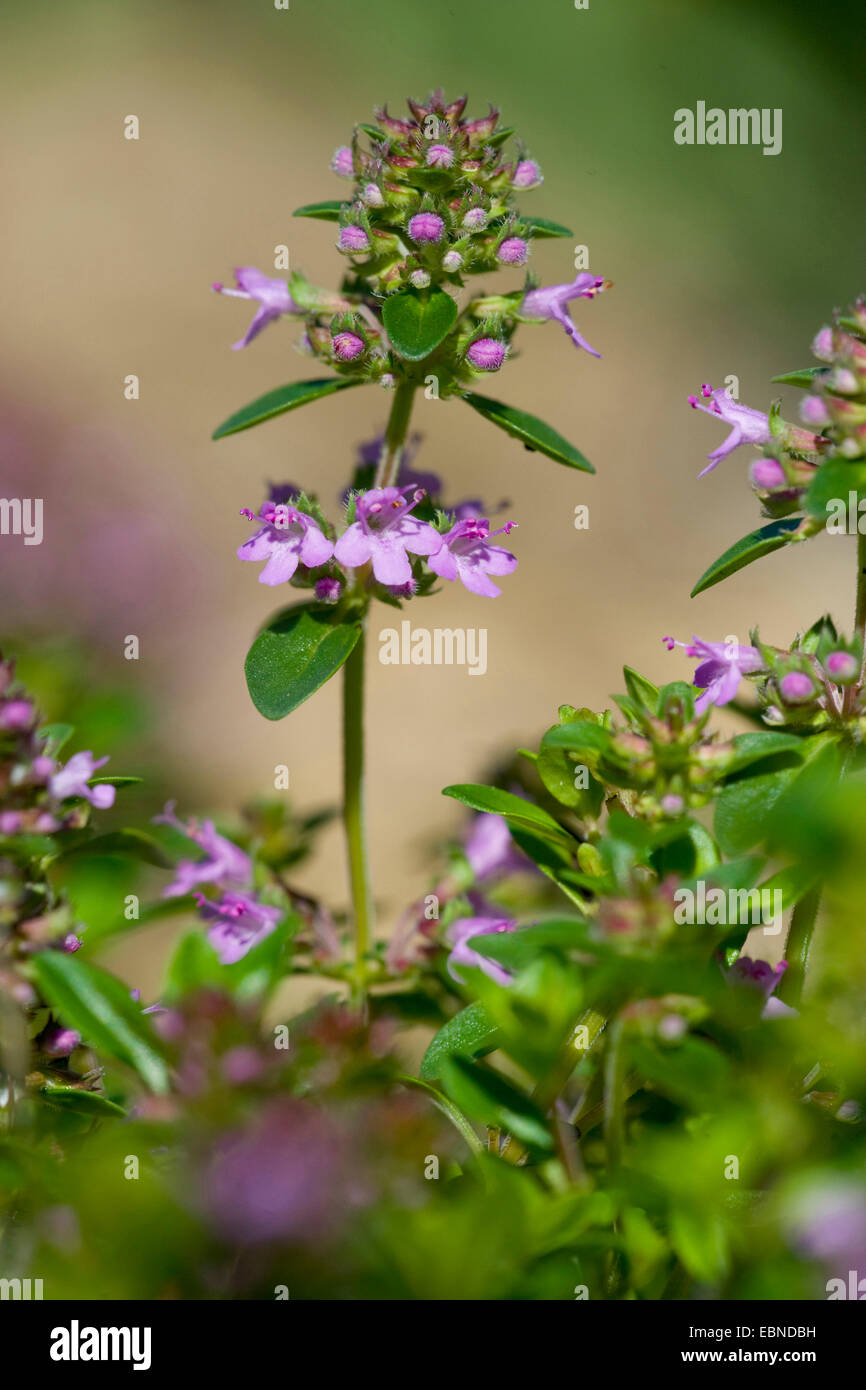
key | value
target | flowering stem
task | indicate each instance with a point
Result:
(354, 818)
(395, 435)
(353, 808)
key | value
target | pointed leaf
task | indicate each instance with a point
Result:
(746, 551)
(803, 378)
(101, 1009)
(324, 212)
(131, 844)
(515, 810)
(471, 1033)
(297, 652)
(543, 227)
(416, 321)
(278, 401)
(532, 432)
(834, 481)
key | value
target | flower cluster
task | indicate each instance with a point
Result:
(383, 544)
(811, 684)
(433, 202)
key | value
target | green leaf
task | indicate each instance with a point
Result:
(532, 432)
(543, 227)
(468, 1034)
(746, 551)
(517, 949)
(416, 321)
(743, 807)
(128, 844)
(641, 690)
(56, 735)
(753, 748)
(280, 400)
(324, 212)
(804, 378)
(515, 809)
(487, 1097)
(581, 737)
(301, 649)
(91, 1104)
(833, 481)
(100, 1008)
(119, 781)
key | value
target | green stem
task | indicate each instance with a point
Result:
(353, 809)
(798, 947)
(395, 435)
(614, 1096)
(354, 818)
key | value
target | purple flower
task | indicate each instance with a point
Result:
(723, 666)
(342, 162)
(489, 848)
(767, 473)
(487, 354)
(549, 302)
(282, 1178)
(461, 932)
(842, 667)
(797, 688)
(513, 251)
(224, 864)
(287, 538)
(827, 1221)
(237, 923)
(440, 157)
(426, 226)
(72, 780)
(747, 426)
(272, 296)
(347, 346)
(384, 532)
(467, 555)
(527, 174)
(354, 239)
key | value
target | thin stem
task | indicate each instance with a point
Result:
(353, 808)
(354, 818)
(395, 435)
(798, 947)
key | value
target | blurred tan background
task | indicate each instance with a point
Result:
(724, 262)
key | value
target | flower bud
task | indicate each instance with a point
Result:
(486, 354)
(59, 1042)
(16, 714)
(796, 688)
(372, 195)
(822, 345)
(767, 474)
(420, 279)
(843, 380)
(672, 805)
(354, 239)
(347, 346)
(426, 226)
(513, 251)
(328, 589)
(813, 412)
(10, 822)
(475, 220)
(842, 667)
(527, 174)
(342, 162)
(440, 157)
(451, 261)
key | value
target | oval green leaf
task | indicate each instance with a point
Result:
(543, 227)
(532, 432)
(833, 483)
(752, 547)
(100, 1008)
(471, 1033)
(416, 321)
(278, 401)
(295, 655)
(513, 808)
